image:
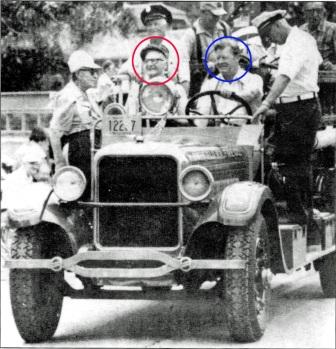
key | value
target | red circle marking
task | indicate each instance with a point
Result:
(155, 83)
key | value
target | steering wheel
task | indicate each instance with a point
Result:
(212, 94)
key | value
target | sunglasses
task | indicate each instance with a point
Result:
(91, 71)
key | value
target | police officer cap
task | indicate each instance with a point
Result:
(266, 18)
(156, 12)
(154, 45)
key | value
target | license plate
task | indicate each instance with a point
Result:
(121, 125)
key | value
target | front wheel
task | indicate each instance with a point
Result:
(327, 270)
(247, 291)
(36, 294)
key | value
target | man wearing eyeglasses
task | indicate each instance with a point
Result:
(158, 19)
(323, 31)
(155, 61)
(74, 114)
(155, 57)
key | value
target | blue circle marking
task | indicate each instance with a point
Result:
(205, 60)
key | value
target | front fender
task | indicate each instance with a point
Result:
(35, 203)
(240, 202)
(25, 205)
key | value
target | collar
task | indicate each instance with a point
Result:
(239, 73)
(291, 33)
(75, 91)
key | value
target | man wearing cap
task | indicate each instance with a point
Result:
(158, 19)
(206, 29)
(294, 96)
(74, 115)
(155, 57)
(323, 31)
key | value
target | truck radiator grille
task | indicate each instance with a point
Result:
(138, 179)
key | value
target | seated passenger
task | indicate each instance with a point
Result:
(157, 20)
(155, 58)
(249, 87)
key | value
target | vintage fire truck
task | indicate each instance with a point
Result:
(173, 209)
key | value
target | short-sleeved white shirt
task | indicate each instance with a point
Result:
(72, 111)
(249, 87)
(299, 61)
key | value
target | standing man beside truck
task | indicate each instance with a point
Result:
(74, 115)
(294, 95)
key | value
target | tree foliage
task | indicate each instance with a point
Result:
(37, 36)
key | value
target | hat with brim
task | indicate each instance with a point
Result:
(265, 19)
(152, 47)
(216, 8)
(153, 12)
(80, 60)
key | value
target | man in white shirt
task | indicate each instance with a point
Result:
(75, 112)
(249, 87)
(155, 57)
(157, 19)
(294, 95)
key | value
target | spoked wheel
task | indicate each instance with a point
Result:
(247, 291)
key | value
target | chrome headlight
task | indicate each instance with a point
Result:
(195, 183)
(156, 100)
(69, 183)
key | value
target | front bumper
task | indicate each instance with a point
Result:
(170, 264)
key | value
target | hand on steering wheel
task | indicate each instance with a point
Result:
(225, 95)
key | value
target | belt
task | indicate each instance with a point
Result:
(284, 100)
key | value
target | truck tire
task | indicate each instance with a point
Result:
(247, 291)
(327, 270)
(36, 294)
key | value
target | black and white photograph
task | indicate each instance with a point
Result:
(168, 174)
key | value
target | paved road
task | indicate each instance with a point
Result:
(300, 318)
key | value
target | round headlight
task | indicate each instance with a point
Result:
(69, 183)
(156, 100)
(196, 183)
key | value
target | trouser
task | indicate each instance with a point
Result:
(80, 156)
(294, 137)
